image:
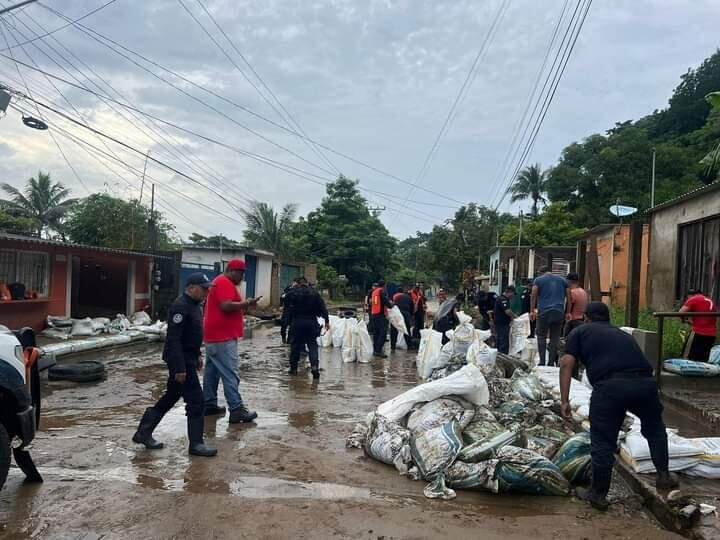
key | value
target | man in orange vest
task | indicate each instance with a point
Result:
(419, 308)
(379, 304)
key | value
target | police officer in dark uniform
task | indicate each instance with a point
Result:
(287, 307)
(503, 316)
(307, 306)
(622, 381)
(183, 357)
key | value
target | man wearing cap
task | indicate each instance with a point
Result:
(183, 357)
(622, 381)
(224, 325)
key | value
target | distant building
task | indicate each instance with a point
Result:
(49, 277)
(612, 246)
(685, 247)
(509, 265)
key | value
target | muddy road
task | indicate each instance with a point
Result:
(287, 476)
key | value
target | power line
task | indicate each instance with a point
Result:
(451, 113)
(284, 114)
(357, 161)
(549, 98)
(50, 132)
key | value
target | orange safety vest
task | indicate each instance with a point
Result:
(376, 304)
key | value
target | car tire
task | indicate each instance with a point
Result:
(4, 455)
(81, 372)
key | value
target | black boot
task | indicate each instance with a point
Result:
(293, 370)
(316, 374)
(596, 500)
(148, 423)
(195, 426)
(212, 410)
(666, 480)
(241, 414)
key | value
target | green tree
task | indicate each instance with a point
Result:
(711, 162)
(267, 229)
(212, 241)
(44, 202)
(106, 221)
(554, 227)
(344, 234)
(16, 225)
(529, 184)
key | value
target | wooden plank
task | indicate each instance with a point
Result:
(593, 268)
(632, 299)
(581, 262)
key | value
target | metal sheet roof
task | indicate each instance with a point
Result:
(687, 196)
(58, 243)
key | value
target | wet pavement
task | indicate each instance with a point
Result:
(287, 476)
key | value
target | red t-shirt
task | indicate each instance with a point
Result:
(222, 325)
(703, 326)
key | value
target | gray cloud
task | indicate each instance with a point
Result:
(372, 79)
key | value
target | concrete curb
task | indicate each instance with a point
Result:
(658, 505)
(708, 419)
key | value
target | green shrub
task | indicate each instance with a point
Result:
(674, 334)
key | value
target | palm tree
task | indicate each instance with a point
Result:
(530, 184)
(267, 229)
(43, 202)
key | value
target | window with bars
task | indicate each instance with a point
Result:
(26, 267)
(699, 259)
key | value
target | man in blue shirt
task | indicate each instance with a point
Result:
(549, 301)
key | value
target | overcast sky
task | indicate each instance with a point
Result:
(370, 79)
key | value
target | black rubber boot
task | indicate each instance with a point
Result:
(316, 374)
(666, 480)
(293, 370)
(148, 423)
(213, 410)
(241, 414)
(195, 435)
(596, 500)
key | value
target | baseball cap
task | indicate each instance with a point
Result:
(235, 264)
(198, 278)
(597, 311)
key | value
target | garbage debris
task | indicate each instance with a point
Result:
(528, 386)
(435, 450)
(573, 459)
(388, 442)
(439, 412)
(525, 471)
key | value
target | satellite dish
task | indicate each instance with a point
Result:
(622, 211)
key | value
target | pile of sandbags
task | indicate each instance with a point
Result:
(63, 328)
(447, 433)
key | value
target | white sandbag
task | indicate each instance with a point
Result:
(362, 342)
(119, 324)
(519, 332)
(100, 324)
(338, 332)
(56, 333)
(348, 346)
(691, 368)
(428, 357)
(59, 321)
(530, 353)
(401, 343)
(435, 450)
(82, 327)
(635, 451)
(714, 356)
(396, 319)
(388, 442)
(140, 318)
(480, 354)
(528, 385)
(327, 335)
(480, 476)
(468, 382)
(438, 412)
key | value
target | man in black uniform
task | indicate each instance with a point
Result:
(183, 357)
(503, 316)
(405, 303)
(287, 307)
(622, 381)
(307, 306)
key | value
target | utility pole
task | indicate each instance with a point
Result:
(517, 252)
(152, 237)
(652, 188)
(21, 4)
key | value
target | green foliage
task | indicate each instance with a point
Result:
(329, 279)
(212, 241)
(16, 225)
(344, 234)
(106, 221)
(267, 229)
(43, 202)
(554, 227)
(595, 173)
(530, 184)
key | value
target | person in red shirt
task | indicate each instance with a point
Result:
(704, 329)
(223, 328)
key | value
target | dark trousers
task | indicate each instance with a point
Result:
(502, 338)
(549, 322)
(380, 327)
(304, 333)
(190, 391)
(610, 401)
(394, 333)
(419, 323)
(572, 325)
(697, 347)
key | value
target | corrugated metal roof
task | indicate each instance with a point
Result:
(687, 196)
(58, 243)
(231, 248)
